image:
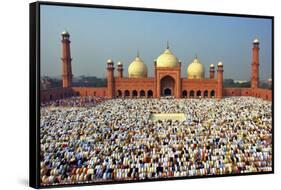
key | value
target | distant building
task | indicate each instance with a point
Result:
(240, 81)
(269, 81)
(45, 83)
(167, 79)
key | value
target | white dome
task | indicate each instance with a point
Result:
(119, 63)
(64, 33)
(109, 61)
(167, 59)
(195, 70)
(220, 64)
(212, 65)
(137, 68)
(256, 40)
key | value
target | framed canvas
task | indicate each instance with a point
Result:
(122, 94)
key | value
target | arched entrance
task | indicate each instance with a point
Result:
(119, 93)
(149, 93)
(206, 94)
(127, 93)
(213, 94)
(142, 93)
(167, 92)
(191, 94)
(198, 94)
(184, 94)
(135, 93)
(167, 86)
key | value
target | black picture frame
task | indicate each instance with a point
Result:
(34, 90)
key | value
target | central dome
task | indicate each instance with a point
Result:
(137, 68)
(195, 70)
(167, 59)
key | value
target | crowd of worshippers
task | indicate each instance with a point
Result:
(75, 101)
(116, 140)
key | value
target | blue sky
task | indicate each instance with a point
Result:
(99, 34)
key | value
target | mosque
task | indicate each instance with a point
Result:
(166, 81)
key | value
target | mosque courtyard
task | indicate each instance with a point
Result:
(137, 139)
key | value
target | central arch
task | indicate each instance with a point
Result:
(167, 86)
(167, 92)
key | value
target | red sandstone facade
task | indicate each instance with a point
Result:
(165, 82)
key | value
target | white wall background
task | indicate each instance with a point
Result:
(14, 73)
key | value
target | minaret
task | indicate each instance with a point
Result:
(120, 69)
(220, 81)
(255, 64)
(212, 71)
(155, 94)
(179, 84)
(66, 61)
(155, 67)
(110, 79)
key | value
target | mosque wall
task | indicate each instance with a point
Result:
(135, 87)
(199, 87)
(55, 94)
(90, 91)
(144, 87)
(246, 92)
(237, 91)
(265, 94)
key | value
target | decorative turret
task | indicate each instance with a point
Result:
(212, 71)
(120, 69)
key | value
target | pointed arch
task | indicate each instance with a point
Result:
(213, 94)
(198, 94)
(119, 93)
(149, 93)
(191, 94)
(184, 93)
(206, 94)
(142, 93)
(127, 93)
(135, 93)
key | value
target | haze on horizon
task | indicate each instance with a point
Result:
(100, 34)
